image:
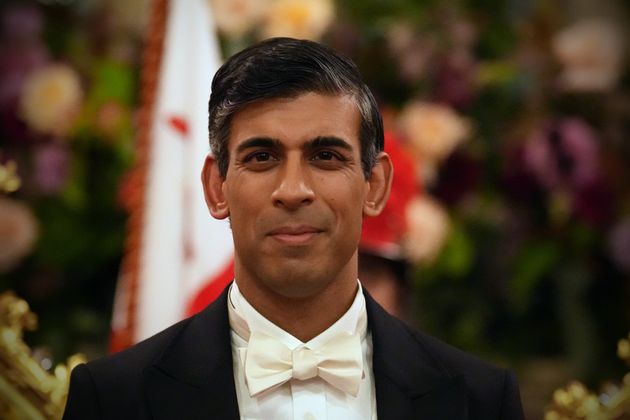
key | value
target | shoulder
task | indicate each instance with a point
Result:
(123, 370)
(486, 384)
(419, 347)
(452, 359)
(414, 360)
(119, 382)
(128, 365)
(104, 387)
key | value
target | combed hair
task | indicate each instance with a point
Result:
(287, 68)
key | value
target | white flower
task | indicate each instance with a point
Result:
(127, 15)
(433, 131)
(51, 99)
(427, 230)
(303, 19)
(18, 232)
(237, 17)
(412, 51)
(9, 179)
(591, 53)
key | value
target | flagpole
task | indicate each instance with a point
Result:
(126, 298)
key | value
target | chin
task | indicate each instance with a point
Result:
(297, 284)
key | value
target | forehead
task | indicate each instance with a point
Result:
(294, 121)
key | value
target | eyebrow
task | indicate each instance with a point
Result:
(316, 143)
(328, 141)
(266, 142)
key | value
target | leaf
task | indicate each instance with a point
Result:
(532, 267)
(457, 255)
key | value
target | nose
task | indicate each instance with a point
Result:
(293, 188)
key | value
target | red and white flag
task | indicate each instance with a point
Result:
(178, 258)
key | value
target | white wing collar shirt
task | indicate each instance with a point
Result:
(278, 376)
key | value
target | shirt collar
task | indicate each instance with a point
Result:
(244, 319)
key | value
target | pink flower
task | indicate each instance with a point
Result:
(428, 225)
(18, 232)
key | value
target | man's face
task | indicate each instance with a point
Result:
(295, 193)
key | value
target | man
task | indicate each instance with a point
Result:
(297, 163)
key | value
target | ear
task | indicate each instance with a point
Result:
(379, 186)
(213, 188)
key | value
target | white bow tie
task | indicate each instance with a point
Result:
(269, 363)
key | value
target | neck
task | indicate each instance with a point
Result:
(302, 317)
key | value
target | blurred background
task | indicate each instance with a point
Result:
(509, 231)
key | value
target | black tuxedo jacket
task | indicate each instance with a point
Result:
(185, 372)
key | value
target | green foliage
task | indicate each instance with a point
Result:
(534, 264)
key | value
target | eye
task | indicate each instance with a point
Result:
(259, 160)
(325, 155)
(259, 156)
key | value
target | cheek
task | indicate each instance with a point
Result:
(242, 206)
(344, 187)
(347, 202)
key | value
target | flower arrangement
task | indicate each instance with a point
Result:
(67, 88)
(51, 99)
(243, 21)
(591, 54)
(433, 131)
(511, 121)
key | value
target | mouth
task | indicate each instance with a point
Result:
(294, 235)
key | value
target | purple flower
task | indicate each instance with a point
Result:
(458, 176)
(619, 244)
(517, 181)
(15, 64)
(564, 157)
(594, 202)
(21, 51)
(565, 154)
(50, 164)
(20, 22)
(454, 80)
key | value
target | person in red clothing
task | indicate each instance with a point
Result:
(383, 265)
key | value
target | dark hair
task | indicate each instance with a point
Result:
(286, 68)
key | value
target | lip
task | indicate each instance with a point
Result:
(294, 235)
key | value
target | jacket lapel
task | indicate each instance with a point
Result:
(410, 382)
(193, 378)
